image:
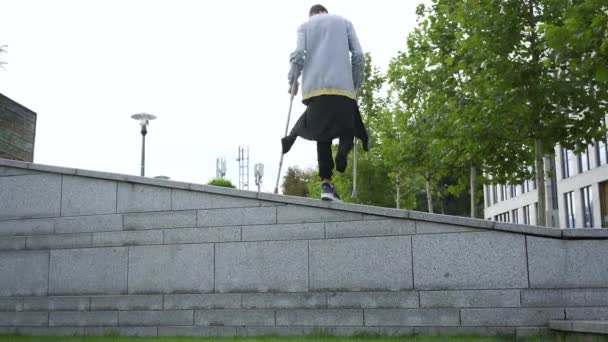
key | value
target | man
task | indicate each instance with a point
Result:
(331, 61)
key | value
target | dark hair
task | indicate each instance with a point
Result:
(316, 9)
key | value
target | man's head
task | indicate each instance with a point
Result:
(317, 9)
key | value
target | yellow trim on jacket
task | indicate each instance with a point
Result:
(330, 91)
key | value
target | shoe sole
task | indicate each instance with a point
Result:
(330, 197)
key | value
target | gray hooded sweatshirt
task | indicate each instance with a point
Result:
(329, 57)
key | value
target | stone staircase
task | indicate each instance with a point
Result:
(93, 253)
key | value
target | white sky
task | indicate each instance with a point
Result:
(214, 72)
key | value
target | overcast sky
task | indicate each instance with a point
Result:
(214, 72)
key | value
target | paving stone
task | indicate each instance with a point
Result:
(83, 319)
(6, 171)
(56, 304)
(15, 282)
(564, 297)
(203, 301)
(130, 302)
(171, 269)
(137, 198)
(567, 263)
(50, 331)
(480, 260)
(26, 227)
(201, 235)
(303, 300)
(121, 331)
(11, 304)
(58, 241)
(524, 332)
(464, 331)
(87, 224)
(88, 271)
(234, 317)
(412, 317)
(423, 227)
(518, 317)
(586, 313)
(277, 266)
(185, 200)
(236, 216)
(470, 299)
(296, 231)
(165, 317)
(278, 331)
(17, 319)
(12, 243)
(163, 219)
(86, 196)
(320, 317)
(301, 214)
(580, 326)
(392, 299)
(31, 196)
(451, 220)
(370, 228)
(129, 238)
(197, 331)
(365, 264)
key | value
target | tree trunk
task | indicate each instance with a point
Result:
(473, 186)
(429, 197)
(398, 199)
(541, 219)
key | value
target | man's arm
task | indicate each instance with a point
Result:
(357, 57)
(296, 59)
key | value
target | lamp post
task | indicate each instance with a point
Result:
(143, 119)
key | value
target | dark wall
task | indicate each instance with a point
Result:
(17, 131)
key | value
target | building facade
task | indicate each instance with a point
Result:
(576, 192)
(17, 131)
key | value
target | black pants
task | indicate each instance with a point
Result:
(325, 158)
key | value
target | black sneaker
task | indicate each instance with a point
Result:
(328, 193)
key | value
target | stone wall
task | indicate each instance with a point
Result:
(90, 253)
(17, 131)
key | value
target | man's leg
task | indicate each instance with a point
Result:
(326, 162)
(344, 147)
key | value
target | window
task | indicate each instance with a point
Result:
(527, 214)
(504, 217)
(587, 196)
(494, 194)
(601, 153)
(525, 187)
(513, 190)
(583, 161)
(536, 213)
(569, 161)
(488, 198)
(515, 215)
(569, 206)
(502, 193)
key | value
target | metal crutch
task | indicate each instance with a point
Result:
(294, 86)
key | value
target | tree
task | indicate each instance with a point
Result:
(295, 182)
(221, 182)
(496, 94)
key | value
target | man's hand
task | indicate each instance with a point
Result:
(293, 90)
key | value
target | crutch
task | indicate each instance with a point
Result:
(354, 194)
(294, 87)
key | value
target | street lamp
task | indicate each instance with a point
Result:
(143, 119)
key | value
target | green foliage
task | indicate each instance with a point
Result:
(295, 182)
(221, 182)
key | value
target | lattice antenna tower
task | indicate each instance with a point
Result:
(243, 159)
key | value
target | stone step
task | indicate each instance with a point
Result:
(595, 327)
